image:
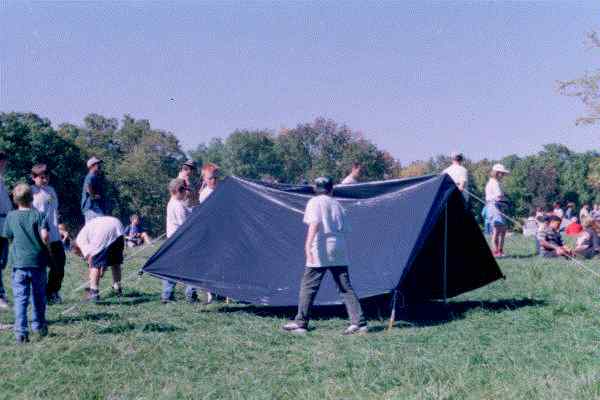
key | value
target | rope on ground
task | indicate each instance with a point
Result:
(127, 257)
(571, 258)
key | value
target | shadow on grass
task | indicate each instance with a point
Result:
(418, 314)
(129, 299)
(102, 316)
(146, 328)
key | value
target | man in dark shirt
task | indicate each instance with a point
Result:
(93, 203)
(551, 243)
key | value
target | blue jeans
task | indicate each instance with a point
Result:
(169, 288)
(28, 282)
(3, 261)
(92, 213)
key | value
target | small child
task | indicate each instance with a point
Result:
(27, 231)
(135, 234)
(177, 213)
(588, 242)
(45, 201)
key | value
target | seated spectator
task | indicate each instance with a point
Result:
(558, 211)
(588, 242)
(585, 212)
(542, 224)
(539, 212)
(574, 228)
(65, 237)
(551, 243)
(596, 212)
(135, 234)
(570, 211)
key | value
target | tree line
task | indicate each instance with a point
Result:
(140, 160)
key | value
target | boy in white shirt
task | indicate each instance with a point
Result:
(458, 173)
(177, 214)
(45, 201)
(325, 250)
(5, 206)
(101, 243)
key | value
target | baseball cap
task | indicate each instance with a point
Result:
(500, 168)
(323, 184)
(93, 161)
(190, 163)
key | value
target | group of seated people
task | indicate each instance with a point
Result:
(549, 241)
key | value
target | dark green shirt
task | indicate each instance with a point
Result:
(22, 229)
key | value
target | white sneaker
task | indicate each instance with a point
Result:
(293, 327)
(4, 304)
(352, 329)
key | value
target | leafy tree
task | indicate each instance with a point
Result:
(30, 139)
(252, 154)
(586, 88)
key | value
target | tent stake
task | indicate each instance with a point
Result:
(393, 313)
(445, 277)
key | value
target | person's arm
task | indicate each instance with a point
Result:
(45, 236)
(313, 228)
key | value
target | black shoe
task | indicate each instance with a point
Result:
(93, 295)
(41, 333)
(167, 300)
(22, 339)
(53, 298)
(117, 291)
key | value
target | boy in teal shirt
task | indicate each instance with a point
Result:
(27, 231)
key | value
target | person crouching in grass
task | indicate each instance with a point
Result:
(45, 201)
(588, 241)
(27, 231)
(101, 243)
(177, 214)
(551, 242)
(325, 250)
(135, 234)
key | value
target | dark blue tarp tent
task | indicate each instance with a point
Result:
(246, 242)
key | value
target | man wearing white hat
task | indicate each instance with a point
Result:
(92, 196)
(458, 173)
(495, 202)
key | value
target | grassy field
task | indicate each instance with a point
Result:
(535, 335)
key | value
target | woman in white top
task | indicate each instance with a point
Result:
(494, 197)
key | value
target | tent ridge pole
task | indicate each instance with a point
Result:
(445, 272)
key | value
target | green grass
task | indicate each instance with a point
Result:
(534, 335)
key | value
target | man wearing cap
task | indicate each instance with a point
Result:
(188, 175)
(495, 203)
(5, 207)
(458, 173)
(93, 202)
(325, 250)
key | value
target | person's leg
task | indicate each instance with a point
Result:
(95, 274)
(342, 280)
(3, 261)
(146, 238)
(21, 286)
(57, 269)
(495, 239)
(116, 277)
(168, 289)
(38, 294)
(311, 281)
(501, 236)
(191, 293)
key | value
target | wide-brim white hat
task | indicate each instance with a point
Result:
(92, 161)
(500, 168)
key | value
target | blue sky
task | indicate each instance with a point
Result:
(417, 78)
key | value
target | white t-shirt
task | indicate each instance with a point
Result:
(559, 212)
(459, 174)
(45, 201)
(329, 246)
(98, 234)
(349, 180)
(493, 191)
(5, 203)
(177, 213)
(204, 193)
